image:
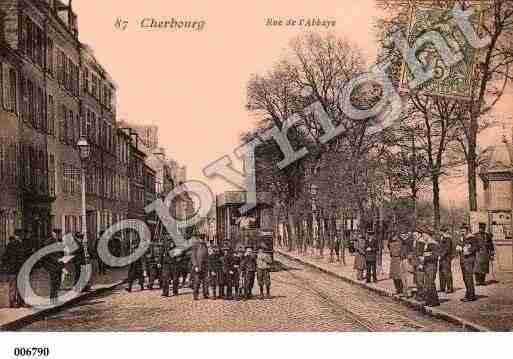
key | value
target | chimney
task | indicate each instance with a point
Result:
(2, 27)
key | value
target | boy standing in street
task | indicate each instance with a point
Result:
(264, 262)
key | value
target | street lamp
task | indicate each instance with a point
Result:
(84, 151)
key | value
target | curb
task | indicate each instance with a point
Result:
(31, 318)
(432, 312)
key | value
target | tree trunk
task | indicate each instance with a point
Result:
(472, 180)
(436, 204)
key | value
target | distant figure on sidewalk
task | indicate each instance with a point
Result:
(485, 254)
(371, 256)
(467, 247)
(102, 268)
(359, 256)
(394, 247)
(445, 262)
(79, 259)
(430, 260)
(199, 268)
(406, 256)
(419, 274)
(53, 265)
(12, 260)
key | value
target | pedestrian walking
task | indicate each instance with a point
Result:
(394, 247)
(371, 253)
(485, 254)
(467, 247)
(430, 261)
(446, 251)
(12, 261)
(359, 256)
(249, 267)
(264, 263)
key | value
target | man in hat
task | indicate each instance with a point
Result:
(136, 272)
(406, 255)
(371, 256)
(151, 266)
(224, 279)
(264, 262)
(430, 261)
(445, 262)
(215, 271)
(485, 254)
(419, 247)
(467, 247)
(394, 247)
(13, 259)
(102, 268)
(231, 270)
(53, 265)
(79, 258)
(249, 266)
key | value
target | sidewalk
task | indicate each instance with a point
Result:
(13, 318)
(493, 311)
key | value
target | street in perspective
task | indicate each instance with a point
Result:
(333, 181)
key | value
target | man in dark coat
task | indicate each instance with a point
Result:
(53, 265)
(485, 254)
(151, 266)
(102, 268)
(446, 251)
(249, 266)
(468, 246)
(79, 258)
(371, 255)
(199, 269)
(417, 260)
(233, 263)
(215, 271)
(430, 261)
(166, 268)
(12, 260)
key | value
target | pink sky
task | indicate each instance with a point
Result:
(192, 84)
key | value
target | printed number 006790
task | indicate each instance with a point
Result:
(31, 352)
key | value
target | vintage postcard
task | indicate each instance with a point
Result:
(293, 166)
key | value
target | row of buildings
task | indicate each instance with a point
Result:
(54, 91)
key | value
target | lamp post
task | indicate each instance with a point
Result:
(84, 150)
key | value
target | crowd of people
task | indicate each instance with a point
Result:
(24, 244)
(220, 272)
(417, 258)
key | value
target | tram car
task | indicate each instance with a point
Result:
(250, 229)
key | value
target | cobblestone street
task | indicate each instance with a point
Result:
(303, 300)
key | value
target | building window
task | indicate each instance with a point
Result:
(63, 130)
(85, 81)
(49, 57)
(72, 139)
(51, 116)
(51, 175)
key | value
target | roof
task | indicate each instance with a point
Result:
(499, 159)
